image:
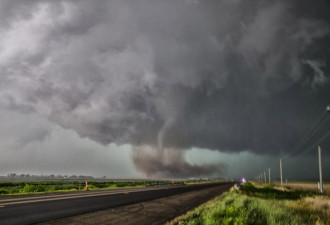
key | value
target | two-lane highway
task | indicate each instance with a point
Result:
(38, 208)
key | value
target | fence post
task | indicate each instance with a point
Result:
(86, 184)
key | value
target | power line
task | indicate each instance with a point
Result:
(305, 140)
(315, 127)
(312, 147)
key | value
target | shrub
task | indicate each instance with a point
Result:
(28, 188)
(3, 191)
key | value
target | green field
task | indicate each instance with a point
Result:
(38, 186)
(261, 205)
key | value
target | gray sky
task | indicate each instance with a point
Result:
(155, 88)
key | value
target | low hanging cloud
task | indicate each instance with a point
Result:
(222, 75)
(172, 164)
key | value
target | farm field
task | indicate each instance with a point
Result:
(33, 186)
(255, 204)
(312, 186)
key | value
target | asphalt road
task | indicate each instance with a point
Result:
(39, 208)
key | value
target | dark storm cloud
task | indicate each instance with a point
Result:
(224, 75)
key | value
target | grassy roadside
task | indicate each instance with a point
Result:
(188, 182)
(33, 187)
(48, 186)
(261, 205)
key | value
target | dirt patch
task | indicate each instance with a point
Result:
(157, 211)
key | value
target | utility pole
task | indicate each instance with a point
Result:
(320, 170)
(265, 176)
(269, 175)
(281, 172)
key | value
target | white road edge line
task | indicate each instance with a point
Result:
(71, 197)
(75, 194)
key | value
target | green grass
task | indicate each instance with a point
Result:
(29, 187)
(38, 187)
(254, 206)
(269, 192)
(201, 181)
